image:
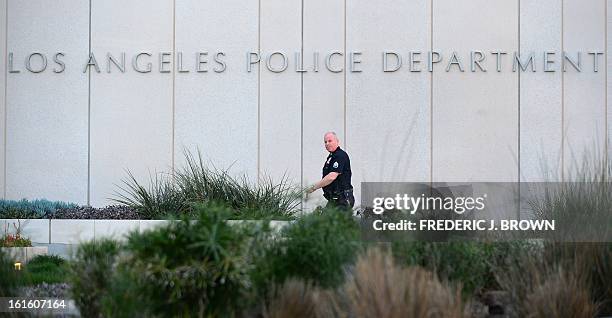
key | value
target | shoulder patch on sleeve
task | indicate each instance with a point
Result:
(336, 164)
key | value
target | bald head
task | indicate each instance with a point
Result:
(331, 141)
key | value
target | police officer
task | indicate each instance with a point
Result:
(336, 182)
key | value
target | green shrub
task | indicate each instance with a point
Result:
(176, 194)
(123, 298)
(91, 275)
(36, 209)
(191, 267)
(49, 269)
(316, 248)
(474, 264)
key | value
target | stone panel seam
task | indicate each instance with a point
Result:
(5, 92)
(89, 117)
(518, 212)
(562, 94)
(345, 74)
(259, 92)
(519, 94)
(606, 133)
(302, 105)
(173, 82)
(431, 123)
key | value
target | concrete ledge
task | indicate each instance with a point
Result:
(72, 231)
(54, 231)
(151, 224)
(115, 229)
(24, 254)
(279, 225)
(275, 225)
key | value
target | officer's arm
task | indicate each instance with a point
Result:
(329, 178)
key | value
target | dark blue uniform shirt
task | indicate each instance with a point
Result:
(337, 161)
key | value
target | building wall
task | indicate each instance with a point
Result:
(72, 135)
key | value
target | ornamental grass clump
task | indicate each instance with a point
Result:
(378, 287)
(175, 194)
(375, 287)
(581, 205)
(160, 200)
(563, 294)
(541, 287)
(582, 210)
(200, 183)
(298, 299)
(592, 261)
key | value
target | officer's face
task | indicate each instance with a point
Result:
(331, 142)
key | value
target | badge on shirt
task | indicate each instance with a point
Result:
(336, 164)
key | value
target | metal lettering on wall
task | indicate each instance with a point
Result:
(333, 61)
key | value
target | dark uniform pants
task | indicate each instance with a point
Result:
(344, 199)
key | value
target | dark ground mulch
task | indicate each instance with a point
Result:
(111, 212)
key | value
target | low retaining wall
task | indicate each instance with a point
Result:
(24, 254)
(55, 231)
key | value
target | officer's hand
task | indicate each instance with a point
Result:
(307, 192)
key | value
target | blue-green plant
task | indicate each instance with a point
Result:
(35, 209)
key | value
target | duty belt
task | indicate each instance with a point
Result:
(348, 191)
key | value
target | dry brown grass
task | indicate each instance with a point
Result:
(379, 288)
(562, 294)
(292, 299)
(593, 261)
(298, 299)
(549, 285)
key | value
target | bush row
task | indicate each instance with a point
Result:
(318, 266)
